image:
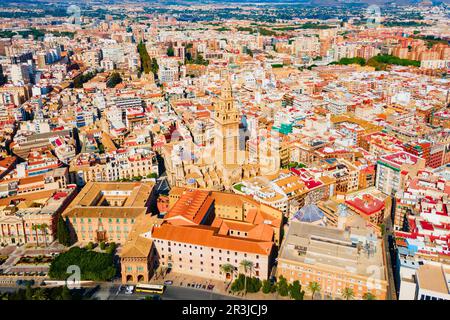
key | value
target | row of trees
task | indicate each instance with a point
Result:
(147, 65)
(347, 61)
(347, 293)
(152, 175)
(29, 293)
(109, 248)
(79, 81)
(246, 283)
(379, 62)
(36, 33)
(40, 227)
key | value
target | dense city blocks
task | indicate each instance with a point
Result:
(224, 150)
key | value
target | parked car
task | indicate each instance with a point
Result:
(168, 282)
(129, 290)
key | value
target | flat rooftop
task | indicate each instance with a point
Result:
(401, 158)
(433, 278)
(333, 249)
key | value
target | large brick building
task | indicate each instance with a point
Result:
(107, 211)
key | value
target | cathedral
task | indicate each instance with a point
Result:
(220, 165)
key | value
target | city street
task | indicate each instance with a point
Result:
(171, 293)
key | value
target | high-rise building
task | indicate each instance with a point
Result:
(20, 73)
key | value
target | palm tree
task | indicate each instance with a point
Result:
(40, 294)
(43, 227)
(35, 228)
(369, 296)
(227, 269)
(348, 294)
(248, 267)
(313, 287)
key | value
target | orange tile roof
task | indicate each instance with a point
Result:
(39, 178)
(191, 207)
(209, 237)
(28, 197)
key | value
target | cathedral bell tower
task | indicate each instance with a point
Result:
(226, 119)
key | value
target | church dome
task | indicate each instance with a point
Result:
(309, 213)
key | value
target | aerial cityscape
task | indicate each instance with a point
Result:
(224, 150)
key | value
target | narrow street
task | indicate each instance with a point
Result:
(392, 294)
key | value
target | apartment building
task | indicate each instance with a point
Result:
(393, 170)
(119, 165)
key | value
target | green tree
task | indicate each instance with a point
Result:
(348, 294)
(282, 287)
(238, 284)
(247, 266)
(62, 232)
(313, 287)
(65, 293)
(228, 268)
(111, 248)
(28, 292)
(44, 227)
(170, 51)
(147, 64)
(253, 285)
(266, 287)
(369, 296)
(405, 227)
(295, 291)
(40, 294)
(95, 266)
(154, 67)
(114, 80)
(35, 228)
(102, 245)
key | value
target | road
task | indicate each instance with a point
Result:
(171, 293)
(388, 251)
(114, 291)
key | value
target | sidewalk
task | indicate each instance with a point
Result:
(220, 287)
(183, 279)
